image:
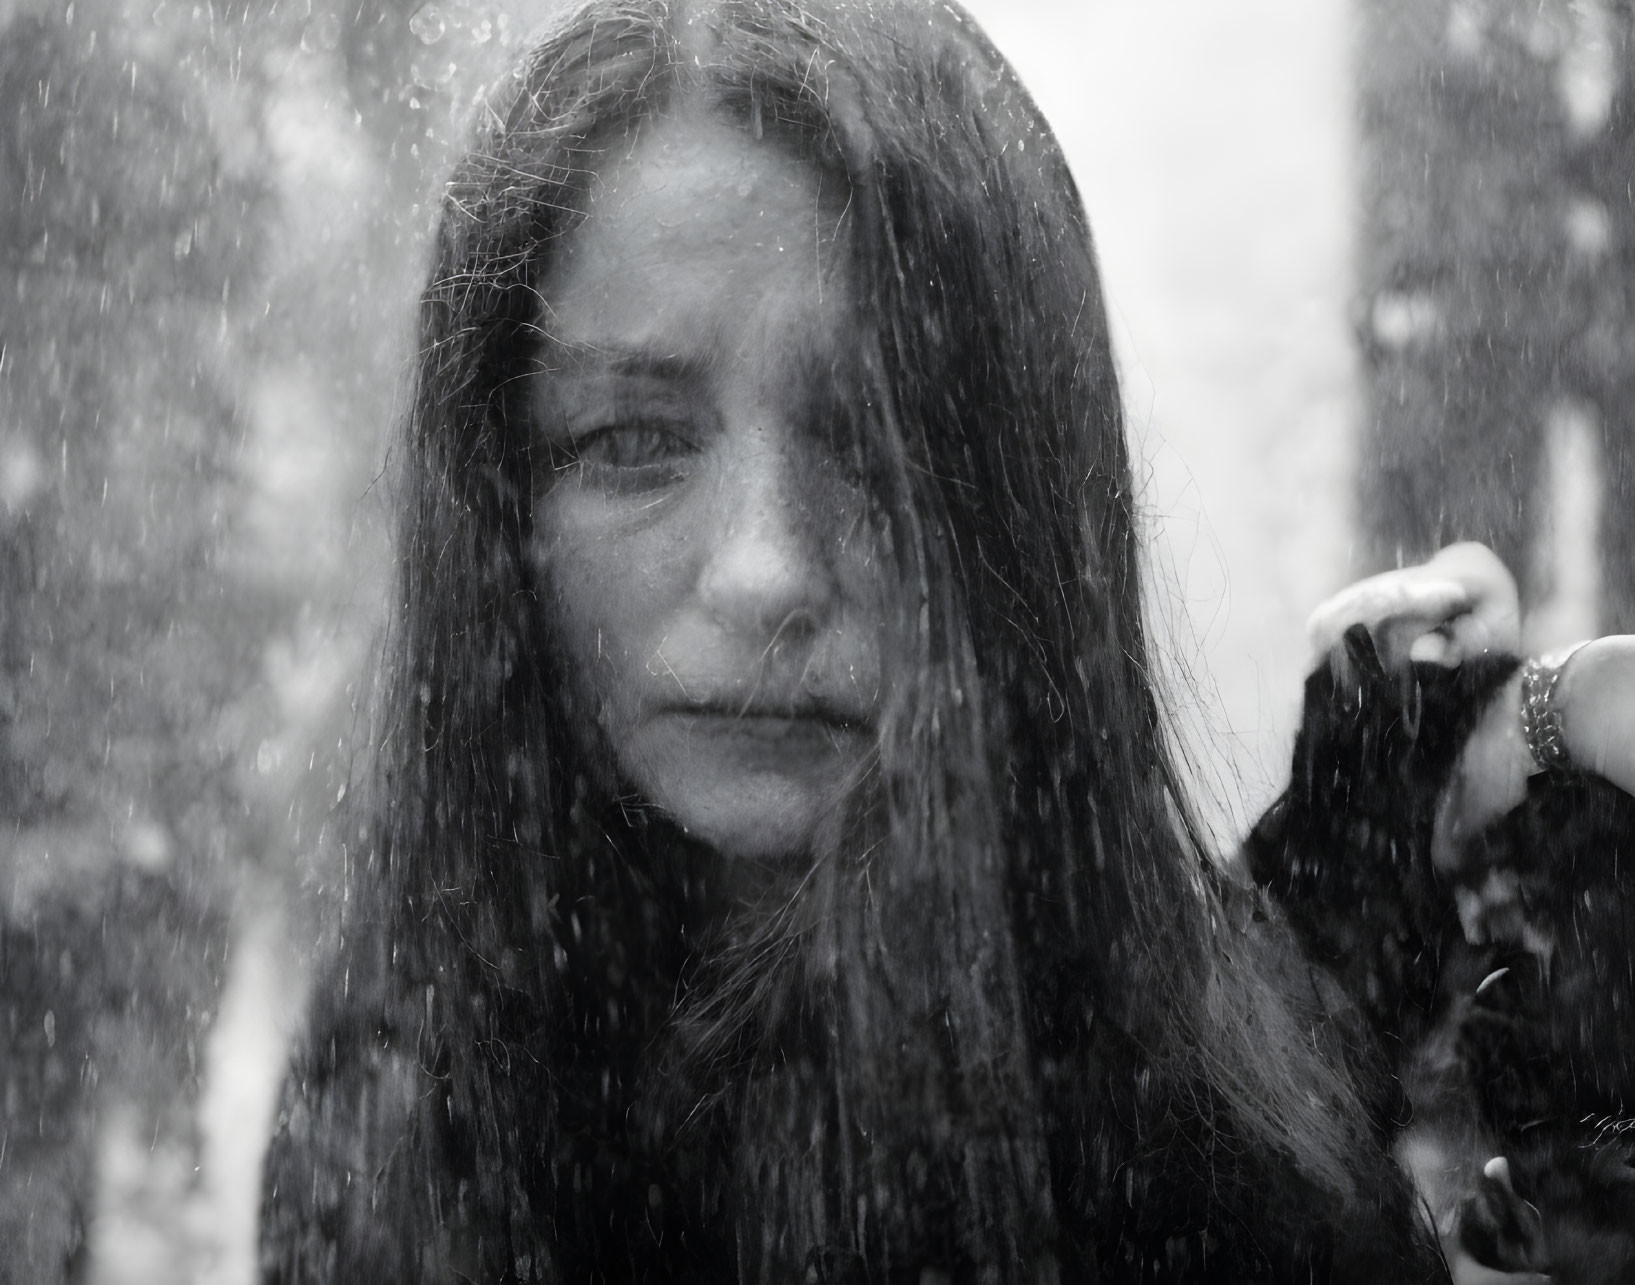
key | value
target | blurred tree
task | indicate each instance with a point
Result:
(1601, 356)
(212, 217)
(123, 241)
(1496, 249)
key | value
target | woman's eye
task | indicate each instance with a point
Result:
(634, 453)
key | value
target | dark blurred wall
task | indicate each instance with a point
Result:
(1497, 254)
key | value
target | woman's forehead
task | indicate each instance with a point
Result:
(695, 181)
(696, 215)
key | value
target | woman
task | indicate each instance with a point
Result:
(777, 869)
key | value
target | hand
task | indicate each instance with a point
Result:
(1460, 603)
(1595, 697)
(1465, 1270)
(1506, 1230)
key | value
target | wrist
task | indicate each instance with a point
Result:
(1489, 778)
(1542, 706)
(1595, 702)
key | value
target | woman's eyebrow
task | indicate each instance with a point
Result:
(639, 360)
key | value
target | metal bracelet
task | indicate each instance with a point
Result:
(1540, 716)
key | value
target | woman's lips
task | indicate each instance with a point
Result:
(770, 722)
(807, 707)
(768, 726)
(765, 738)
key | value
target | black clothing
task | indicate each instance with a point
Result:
(1154, 1178)
(1515, 1046)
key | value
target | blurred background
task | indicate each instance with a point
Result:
(1370, 264)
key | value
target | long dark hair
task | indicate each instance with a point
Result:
(1005, 1025)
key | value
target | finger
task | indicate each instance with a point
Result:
(1493, 621)
(1434, 648)
(1498, 1227)
(1465, 1270)
(1396, 607)
(1462, 602)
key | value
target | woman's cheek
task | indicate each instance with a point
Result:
(616, 589)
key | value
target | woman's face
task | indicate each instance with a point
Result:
(714, 560)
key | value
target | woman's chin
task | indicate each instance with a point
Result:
(766, 820)
(755, 807)
(751, 833)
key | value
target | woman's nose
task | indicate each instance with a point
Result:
(765, 570)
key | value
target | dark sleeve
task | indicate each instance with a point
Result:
(355, 1181)
(332, 1197)
(1204, 1198)
(1346, 851)
(1564, 854)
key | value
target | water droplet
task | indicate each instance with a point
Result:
(482, 31)
(428, 24)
